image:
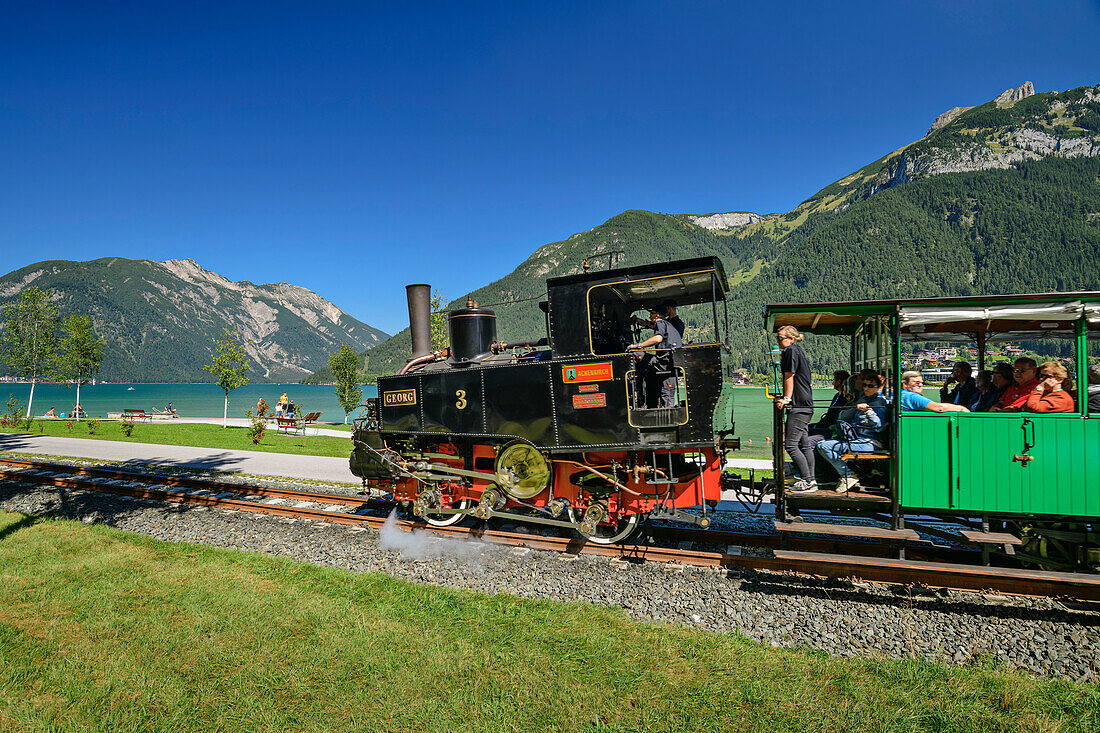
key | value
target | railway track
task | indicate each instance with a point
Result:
(806, 556)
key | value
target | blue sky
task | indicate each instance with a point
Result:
(354, 148)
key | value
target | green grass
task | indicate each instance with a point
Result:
(201, 435)
(105, 630)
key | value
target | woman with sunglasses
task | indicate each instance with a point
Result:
(1050, 395)
(797, 393)
(866, 419)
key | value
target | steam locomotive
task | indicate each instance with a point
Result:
(556, 430)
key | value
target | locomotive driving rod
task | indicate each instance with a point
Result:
(425, 470)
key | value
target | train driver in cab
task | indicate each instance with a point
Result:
(669, 315)
(911, 399)
(660, 377)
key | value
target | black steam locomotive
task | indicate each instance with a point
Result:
(558, 429)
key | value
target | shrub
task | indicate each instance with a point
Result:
(13, 414)
(69, 424)
(93, 425)
(126, 426)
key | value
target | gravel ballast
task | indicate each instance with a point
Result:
(1038, 635)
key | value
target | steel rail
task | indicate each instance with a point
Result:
(879, 569)
(713, 537)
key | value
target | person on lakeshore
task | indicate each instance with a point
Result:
(50, 413)
(170, 409)
(78, 411)
(911, 399)
(798, 395)
(862, 427)
(1094, 389)
(965, 385)
(1050, 395)
(1025, 373)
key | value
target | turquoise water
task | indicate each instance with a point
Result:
(190, 400)
(752, 411)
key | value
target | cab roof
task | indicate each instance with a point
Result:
(685, 281)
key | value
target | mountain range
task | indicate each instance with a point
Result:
(159, 320)
(995, 198)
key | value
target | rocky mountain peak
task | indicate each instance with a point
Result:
(725, 221)
(1009, 96)
(945, 119)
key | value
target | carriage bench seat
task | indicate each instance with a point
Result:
(129, 414)
(289, 425)
(866, 456)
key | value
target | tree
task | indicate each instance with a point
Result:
(439, 323)
(229, 364)
(344, 364)
(79, 353)
(30, 331)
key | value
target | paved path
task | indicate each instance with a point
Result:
(318, 468)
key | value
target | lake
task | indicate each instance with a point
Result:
(752, 411)
(190, 400)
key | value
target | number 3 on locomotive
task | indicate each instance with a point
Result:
(461, 394)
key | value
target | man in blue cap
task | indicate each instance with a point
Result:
(660, 377)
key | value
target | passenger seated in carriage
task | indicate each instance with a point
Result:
(1094, 389)
(991, 386)
(1050, 395)
(861, 428)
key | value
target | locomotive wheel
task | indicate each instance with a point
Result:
(606, 534)
(526, 469)
(446, 520)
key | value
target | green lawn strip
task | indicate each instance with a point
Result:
(201, 435)
(104, 629)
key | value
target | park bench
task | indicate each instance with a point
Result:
(165, 413)
(311, 418)
(129, 414)
(289, 425)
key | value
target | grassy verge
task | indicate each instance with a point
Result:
(100, 629)
(201, 435)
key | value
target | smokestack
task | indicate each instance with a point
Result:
(420, 305)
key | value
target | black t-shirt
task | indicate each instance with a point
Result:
(662, 360)
(794, 360)
(676, 323)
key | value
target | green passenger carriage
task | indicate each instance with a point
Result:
(1025, 483)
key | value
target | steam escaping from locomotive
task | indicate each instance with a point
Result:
(418, 546)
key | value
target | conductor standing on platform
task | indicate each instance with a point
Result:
(660, 377)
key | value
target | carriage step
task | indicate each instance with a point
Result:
(829, 498)
(847, 530)
(991, 538)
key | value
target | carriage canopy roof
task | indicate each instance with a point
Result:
(947, 319)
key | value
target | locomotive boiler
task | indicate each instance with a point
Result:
(557, 429)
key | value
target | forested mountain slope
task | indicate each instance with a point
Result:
(159, 319)
(1002, 197)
